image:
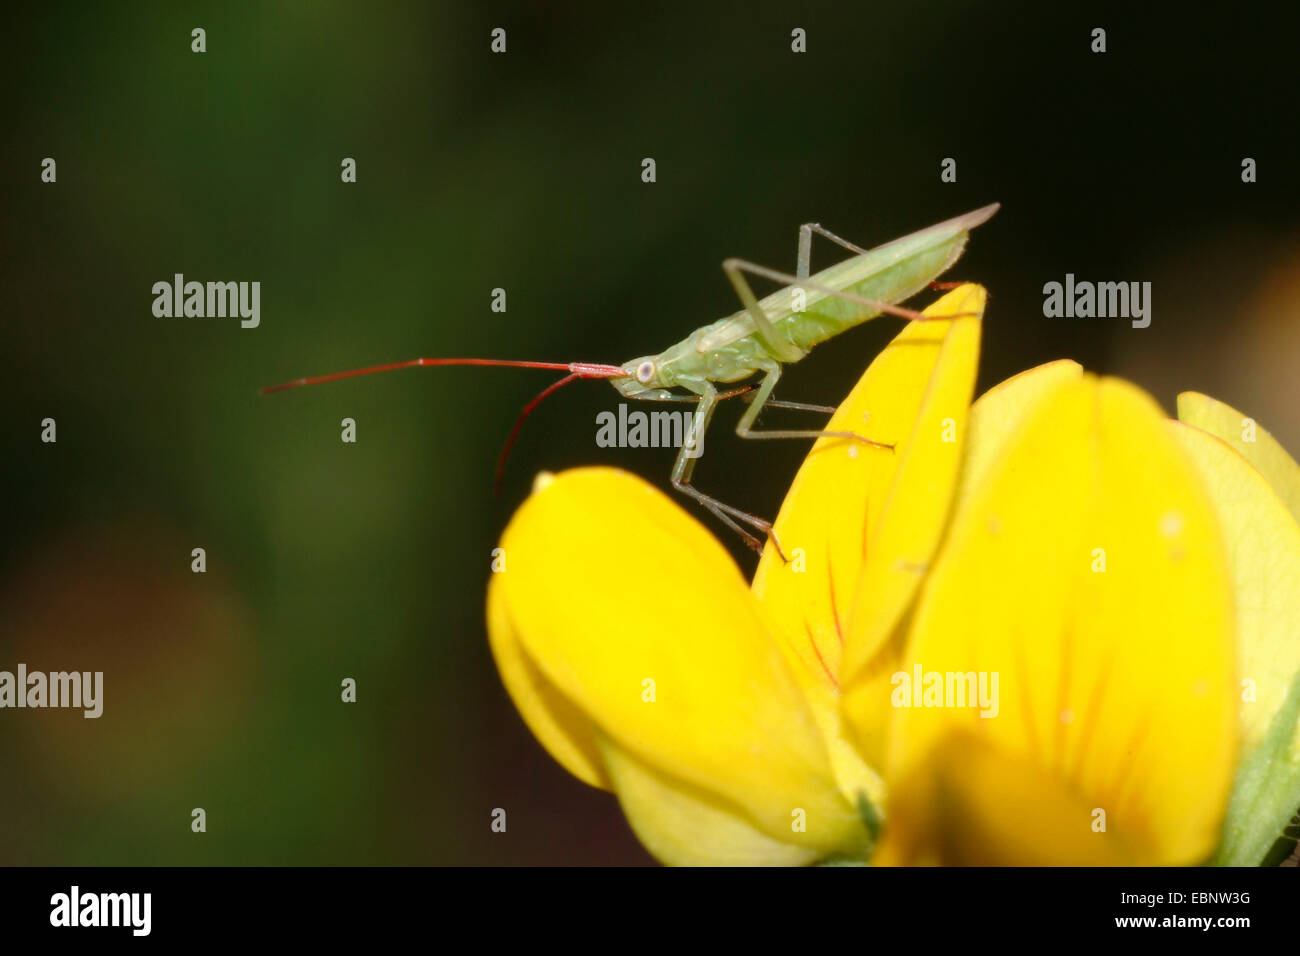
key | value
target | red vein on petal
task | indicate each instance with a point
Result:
(1138, 741)
(1090, 716)
(1058, 754)
(821, 660)
(866, 531)
(830, 580)
(1031, 730)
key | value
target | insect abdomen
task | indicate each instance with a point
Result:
(825, 316)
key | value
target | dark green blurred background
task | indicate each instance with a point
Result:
(521, 171)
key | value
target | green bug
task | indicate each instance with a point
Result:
(757, 340)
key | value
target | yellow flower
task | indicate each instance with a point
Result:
(643, 662)
(1084, 568)
(1136, 652)
(1041, 630)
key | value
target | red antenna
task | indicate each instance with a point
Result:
(576, 370)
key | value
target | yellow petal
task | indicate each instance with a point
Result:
(625, 610)
(998, 415)
(865, 519)
(686, 826)
(1087, 574)
(563, 729)
(977, 806)
(1242, 432)
(1264, 554)
(994, 419)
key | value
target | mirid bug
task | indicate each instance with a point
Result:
(757, 340)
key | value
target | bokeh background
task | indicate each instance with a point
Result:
(521, 171)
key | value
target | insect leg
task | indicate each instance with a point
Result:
(804, 267)
(729, 393)
(776, 346)
(797, 406)
(737, 265)
(744, 428)
(684, 466)
(746, 392)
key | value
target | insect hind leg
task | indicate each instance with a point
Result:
(803, 267)
(873, 306)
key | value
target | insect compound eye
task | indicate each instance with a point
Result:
(645, 372)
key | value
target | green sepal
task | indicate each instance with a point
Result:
(871, 819)
(1266, 792)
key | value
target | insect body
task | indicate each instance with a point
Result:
(757, 340)
(833, 301)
